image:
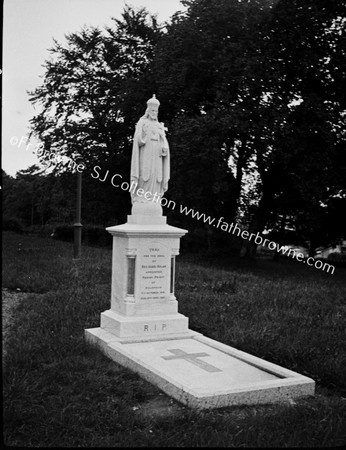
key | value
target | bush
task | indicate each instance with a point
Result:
(91, 234)
(41, 230)
(63, 233)
(226, 243)
(96, 235)
(196, 240)
(337, 257)
(12, 224)
(204, 240)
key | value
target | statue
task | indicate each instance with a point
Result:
(150, 166)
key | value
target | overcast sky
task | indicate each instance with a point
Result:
(29, 29)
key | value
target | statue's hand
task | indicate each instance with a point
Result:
(145, 128)
(161, 132)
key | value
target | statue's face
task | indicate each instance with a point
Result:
(153, 112)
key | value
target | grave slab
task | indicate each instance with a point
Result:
(203, 373)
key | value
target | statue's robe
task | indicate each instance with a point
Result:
(149, 168)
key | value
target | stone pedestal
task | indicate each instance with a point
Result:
(143, 303)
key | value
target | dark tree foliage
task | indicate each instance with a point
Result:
(84, 96)
(89, 102)
(37, 198)
(301, 116)
(199, 69)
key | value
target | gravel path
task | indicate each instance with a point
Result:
(10, 300)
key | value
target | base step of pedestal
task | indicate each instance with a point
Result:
(142, 327)
(203, 373)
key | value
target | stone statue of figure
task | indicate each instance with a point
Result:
(150, 165)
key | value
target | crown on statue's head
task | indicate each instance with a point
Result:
(153, 101)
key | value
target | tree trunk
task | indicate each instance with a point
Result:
(312, 247)
(248, 248)
(257, 225)
(281, 236)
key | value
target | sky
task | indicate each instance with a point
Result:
(28, 32)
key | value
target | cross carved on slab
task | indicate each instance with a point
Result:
(192, 358)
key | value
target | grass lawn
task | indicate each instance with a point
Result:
(60, 392)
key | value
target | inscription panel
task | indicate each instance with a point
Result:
(154, 273)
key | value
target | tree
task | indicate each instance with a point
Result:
(199, 71)
(86, 85)
(86, 99)
(301, 115)
(26, 197)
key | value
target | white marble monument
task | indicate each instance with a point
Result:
(143, 329)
